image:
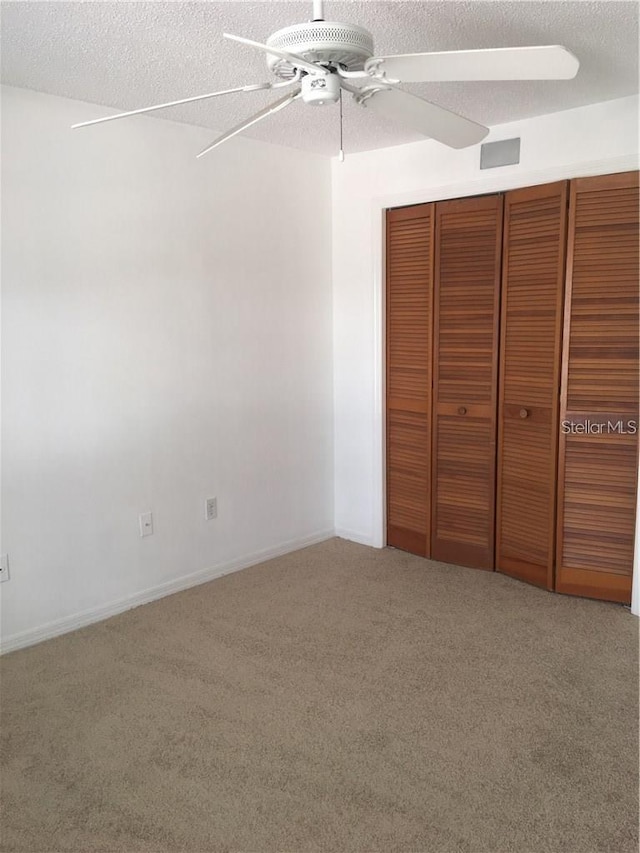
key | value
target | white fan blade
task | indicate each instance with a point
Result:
(293, 58)
(423, 116)
(251, 88)
(542, 62)
(267, 111)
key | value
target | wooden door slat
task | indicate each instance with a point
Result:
(466, 307)
(600, 376)
(409, 318)
(534, 243)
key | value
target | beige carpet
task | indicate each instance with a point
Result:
(336, 699)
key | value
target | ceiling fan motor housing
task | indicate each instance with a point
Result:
(324, 42)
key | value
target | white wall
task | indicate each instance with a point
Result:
(590, 140)
(167, 331)
(166, 337)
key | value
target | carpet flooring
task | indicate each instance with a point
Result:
(336, 699)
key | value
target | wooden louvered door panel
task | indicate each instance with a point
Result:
(599, 401)
(468, 243)
(409, 325)
(533, 269)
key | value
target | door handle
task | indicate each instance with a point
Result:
(524, 413)
(462, 410)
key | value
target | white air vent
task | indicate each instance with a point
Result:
(506, 152)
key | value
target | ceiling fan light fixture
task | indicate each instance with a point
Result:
(317, 91)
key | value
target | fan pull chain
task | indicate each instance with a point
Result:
(341, 154)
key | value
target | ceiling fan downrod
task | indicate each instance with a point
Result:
(318, 11)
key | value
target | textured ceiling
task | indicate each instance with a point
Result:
(134, 54)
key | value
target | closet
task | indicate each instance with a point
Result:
(512, 328)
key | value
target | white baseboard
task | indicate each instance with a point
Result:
(360, 538)
(96, 614)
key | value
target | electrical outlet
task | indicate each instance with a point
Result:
(146, 524)
(4, 568)
(211, 508)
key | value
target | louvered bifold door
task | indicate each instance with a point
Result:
(468, 244)
(409, 326)
(599, 403)
(533, 269)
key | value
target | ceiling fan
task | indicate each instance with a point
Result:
(319, 59)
